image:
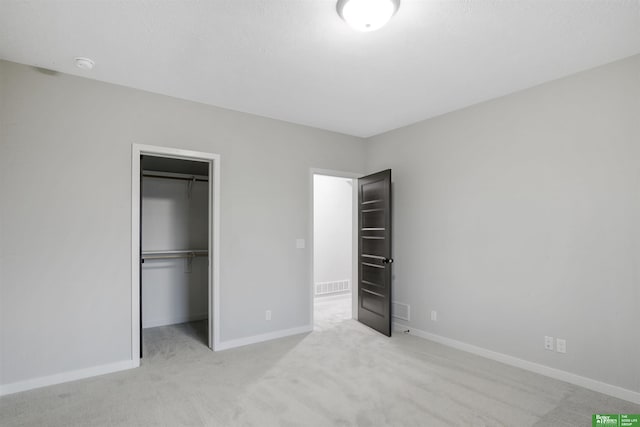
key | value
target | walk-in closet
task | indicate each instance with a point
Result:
(174, 234)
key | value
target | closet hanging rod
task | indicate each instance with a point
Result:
(174, 254)
(144, 257)
(173, 175)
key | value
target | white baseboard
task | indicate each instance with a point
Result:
(225, 345)
(174, 320)
(64, 377)
(591, 384)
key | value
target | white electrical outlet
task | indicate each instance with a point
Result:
(548, 343)
(434, 315)
(267, 315)
(561, 345)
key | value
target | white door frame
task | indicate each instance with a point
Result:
(354, 238)
(214, 238)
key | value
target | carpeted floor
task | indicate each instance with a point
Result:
(330, 310)
(341, 374)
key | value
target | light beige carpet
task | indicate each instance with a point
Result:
(342, 374)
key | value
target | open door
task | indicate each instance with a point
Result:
(374, 251)
(140, 256)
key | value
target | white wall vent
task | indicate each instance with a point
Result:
(325, 288)
(400, 311)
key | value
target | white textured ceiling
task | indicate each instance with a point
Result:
(296, 60)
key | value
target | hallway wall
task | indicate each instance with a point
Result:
(333, 230)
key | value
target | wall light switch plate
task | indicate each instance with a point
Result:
(300, 243)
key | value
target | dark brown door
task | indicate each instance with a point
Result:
(374, 251)
(140, 254)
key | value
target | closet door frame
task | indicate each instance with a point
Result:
(214, 238)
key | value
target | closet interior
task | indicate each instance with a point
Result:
(174, 228)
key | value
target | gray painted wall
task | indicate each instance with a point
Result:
(65, 251)
(514, 219)
(520, 217)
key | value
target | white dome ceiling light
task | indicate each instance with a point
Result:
(367, 15)
(84, 63)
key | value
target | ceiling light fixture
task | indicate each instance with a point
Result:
(367, 15)
(84, 63)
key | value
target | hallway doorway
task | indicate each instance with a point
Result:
(333, 250)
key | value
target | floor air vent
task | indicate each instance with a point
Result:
(325, 288)
(400, 311)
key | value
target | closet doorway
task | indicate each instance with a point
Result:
(175, 246)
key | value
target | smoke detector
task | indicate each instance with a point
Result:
(84, 63)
